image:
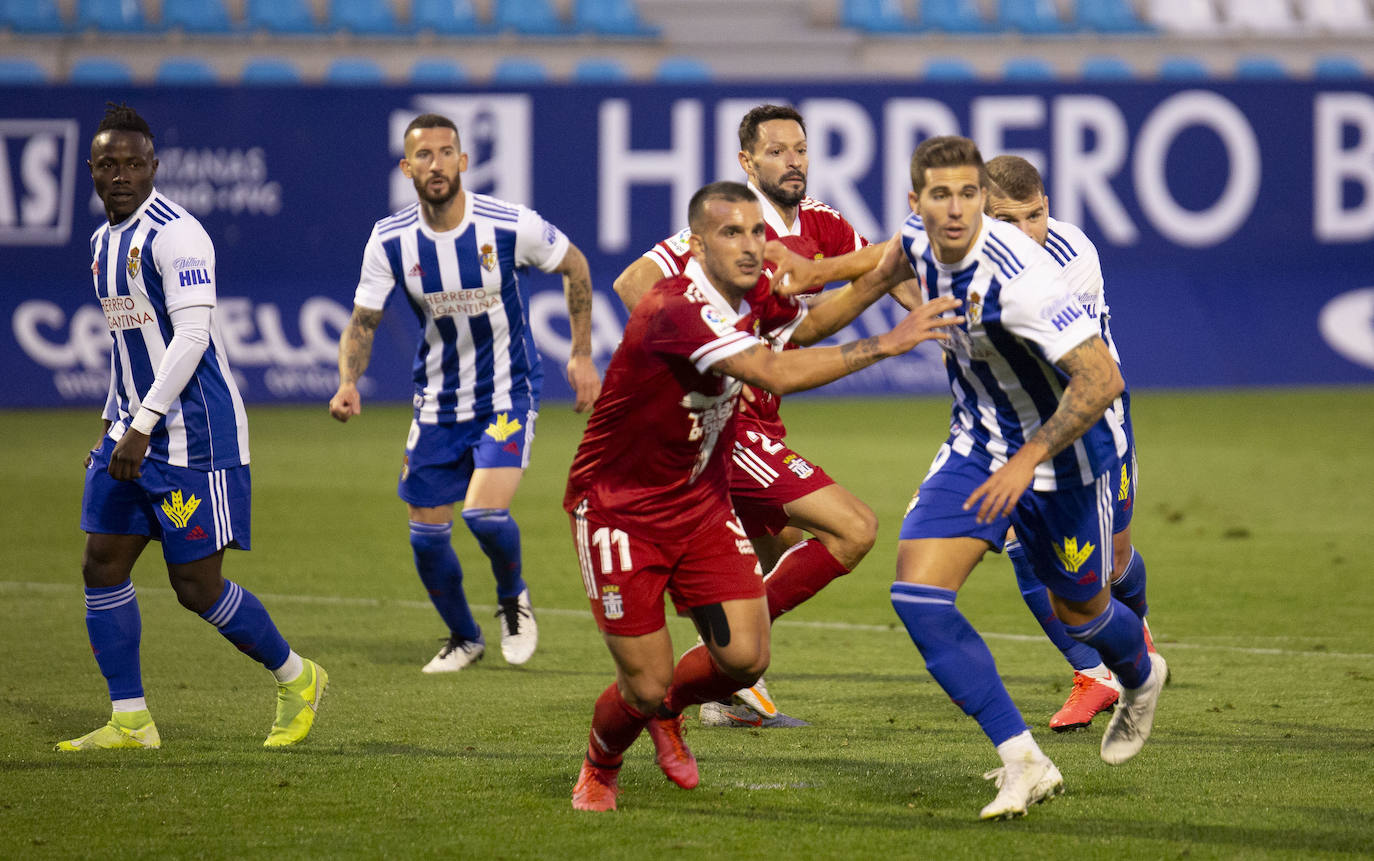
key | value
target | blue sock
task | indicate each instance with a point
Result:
(1129, 588)
(243, 621)
(499, 538)
(957, 657)
(1118, 638)
(115, 628)
(1037, 598)
(443, 577)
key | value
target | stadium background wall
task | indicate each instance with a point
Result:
(1235, 221)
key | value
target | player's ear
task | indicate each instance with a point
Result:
(405, 168)
(462, 162)
(697, 244)
(746, 163)
(914, 201)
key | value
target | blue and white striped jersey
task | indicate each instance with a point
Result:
(477, 355)
(157, 261)
(1021, 318)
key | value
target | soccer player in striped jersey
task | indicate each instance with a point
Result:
(1017, 196)
(1033, 445)
(172, 463)
(649, 489)
(776, 491)
(477, 374)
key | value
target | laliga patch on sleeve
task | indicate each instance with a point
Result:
(678, 242)
(716, 320)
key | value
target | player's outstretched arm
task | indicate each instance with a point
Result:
(1094, 383)
(795, 273)
(355, 351)
(888, 271)
(798, 370)
(577, 290)
(637, 279)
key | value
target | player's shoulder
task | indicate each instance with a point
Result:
(397, 222)
(820, 209)
(679, 244)
(1067, 242)
(495, 209)
(172, 222)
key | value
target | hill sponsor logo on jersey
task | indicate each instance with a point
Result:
(37, 180)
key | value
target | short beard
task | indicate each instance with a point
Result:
(441, 200)
(781, 196)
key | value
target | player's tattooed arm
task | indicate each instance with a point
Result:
(1094, 382)
(355, 351)
(355, 347)
(577, 291)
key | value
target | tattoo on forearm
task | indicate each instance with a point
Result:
(860, 354)
(1083, 402)
(355, 347)
(577, 289)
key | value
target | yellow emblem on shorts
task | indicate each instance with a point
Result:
(1071, 556)
(501, 429)
(180, 512)
(131, 263)
(1125, 492)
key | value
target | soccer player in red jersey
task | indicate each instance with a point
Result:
(649, 489)
(777, 492)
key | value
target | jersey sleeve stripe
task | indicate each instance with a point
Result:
(720, 349)
(1008, 271)
(1001, 246)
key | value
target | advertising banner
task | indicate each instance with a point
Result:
(1235, 221)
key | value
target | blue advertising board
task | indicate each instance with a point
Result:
(1235, 221)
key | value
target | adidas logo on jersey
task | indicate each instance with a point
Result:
(196, 534)
(415, 272)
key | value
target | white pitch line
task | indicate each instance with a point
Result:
(341, 601)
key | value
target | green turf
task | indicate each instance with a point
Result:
(1255, 517)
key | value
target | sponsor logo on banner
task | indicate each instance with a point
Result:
(206, 181)
(37, 181)
(495, 131)
(76, 348)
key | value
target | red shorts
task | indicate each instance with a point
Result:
(625, 575)
(765, 476)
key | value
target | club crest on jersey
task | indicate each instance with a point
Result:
(1071, 555)
(131, 262)
(612, 605)
(975, 309)
(177, 511)
(489, 257)
(798, 466)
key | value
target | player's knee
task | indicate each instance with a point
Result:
(856, 536)
(643, 694)
(1121, 555)
(196, 593)
(745, 666)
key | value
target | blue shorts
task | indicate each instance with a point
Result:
(193, 513)
(440, 459)
(1067, 533)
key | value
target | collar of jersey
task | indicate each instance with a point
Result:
(698, 276)
(462, 225)
(969, 256)
(135, 215)
(771, 216)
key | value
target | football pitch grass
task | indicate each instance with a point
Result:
(1256, 514)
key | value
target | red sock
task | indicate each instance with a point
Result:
(615, 726)
(697, 679)
(801, 572)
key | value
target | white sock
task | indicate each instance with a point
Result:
(1019, 747)
(132, 704)
(291, 670)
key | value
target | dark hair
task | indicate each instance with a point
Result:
(945, 151)
(430, 121)
(1015, 178)
(734, 192)
(749, 126)
(122, 118)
